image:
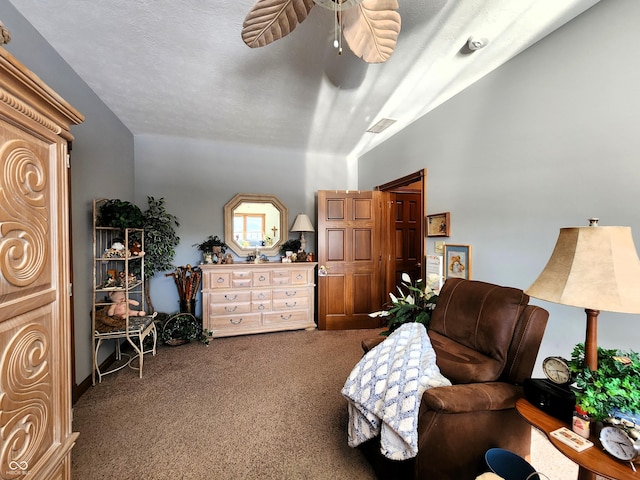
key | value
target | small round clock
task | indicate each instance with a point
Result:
(619, 444)
(557, 370)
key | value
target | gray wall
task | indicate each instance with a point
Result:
(546, 141)
(197, 178)
(102, 163)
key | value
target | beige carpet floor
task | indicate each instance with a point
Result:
(252, 407)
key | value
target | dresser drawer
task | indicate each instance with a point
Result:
(239, 296)
(281, 277)
(234, 322)
(241, 278)
(261, 295)
(290, 293)
(229, 308)
(283, 318)
(300, 277)
(261, 279)
(291, 303)
(218, 280)
(261, 306)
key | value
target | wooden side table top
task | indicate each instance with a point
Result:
(592, 461)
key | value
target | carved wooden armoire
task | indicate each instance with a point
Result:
(35, 332)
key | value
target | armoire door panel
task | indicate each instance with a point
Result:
(35, 338)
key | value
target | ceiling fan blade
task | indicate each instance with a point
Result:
(270, 20)
(371, 29)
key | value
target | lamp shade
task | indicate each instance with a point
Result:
(302, 224)
(594, 268)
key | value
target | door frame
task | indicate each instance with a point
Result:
(388, 266)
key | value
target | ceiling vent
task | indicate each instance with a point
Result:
(382, 125)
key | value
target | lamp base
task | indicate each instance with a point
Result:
(591, 339)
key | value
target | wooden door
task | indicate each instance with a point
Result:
(407, 234)
(35, 371)
(350, 260)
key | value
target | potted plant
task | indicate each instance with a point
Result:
(613, 387)
(160, 240)
(120, 214)
(212, 244)
(414, 303)
(183, 328)
(290, 246)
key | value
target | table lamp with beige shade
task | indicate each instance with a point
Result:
(302, 224)
(595, 268)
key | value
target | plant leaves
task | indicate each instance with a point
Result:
(270, 20)
(371, 29)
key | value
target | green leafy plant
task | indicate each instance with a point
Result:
(290, 246)
(615, 385)
(120, 214)
(210, 242)
(183, 328)
(160, 240)
(414, 303)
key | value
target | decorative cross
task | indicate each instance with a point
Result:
(274, 230)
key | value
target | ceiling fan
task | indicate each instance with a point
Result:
(370, 27)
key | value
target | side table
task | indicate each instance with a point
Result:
(592, 461)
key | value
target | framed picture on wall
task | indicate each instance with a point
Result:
(457, 261)
(438, 225)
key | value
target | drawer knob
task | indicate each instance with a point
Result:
(236, 322)
(220, 280)
(230, 309)
(230, 297)
(299, 277)
(261, 278)
(261, 307)
(285, 317)
(291, 294)
(290, 305)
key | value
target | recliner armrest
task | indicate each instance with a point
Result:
(472, 397)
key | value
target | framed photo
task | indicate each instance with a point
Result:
(457, 261)
(438, 225)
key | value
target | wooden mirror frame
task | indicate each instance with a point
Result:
(230, 207)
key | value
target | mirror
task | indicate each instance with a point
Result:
(255, 221)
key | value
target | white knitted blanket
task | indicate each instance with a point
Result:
(385, 388)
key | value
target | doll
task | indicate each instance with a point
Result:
(120, 305)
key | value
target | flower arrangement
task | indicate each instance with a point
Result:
(414, 303)
(613, 387)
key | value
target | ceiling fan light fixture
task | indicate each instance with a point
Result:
(337, 5)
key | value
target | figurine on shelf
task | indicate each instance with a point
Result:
(136, 249)
(120, 306)
(116, 250)
(110, 282)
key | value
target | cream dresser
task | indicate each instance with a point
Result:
(243, 298)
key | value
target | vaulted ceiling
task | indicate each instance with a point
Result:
(181, 67)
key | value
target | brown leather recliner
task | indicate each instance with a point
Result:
(486, 339)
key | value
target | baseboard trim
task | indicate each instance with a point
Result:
(79, 389)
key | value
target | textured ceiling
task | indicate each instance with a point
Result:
(181, 68)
